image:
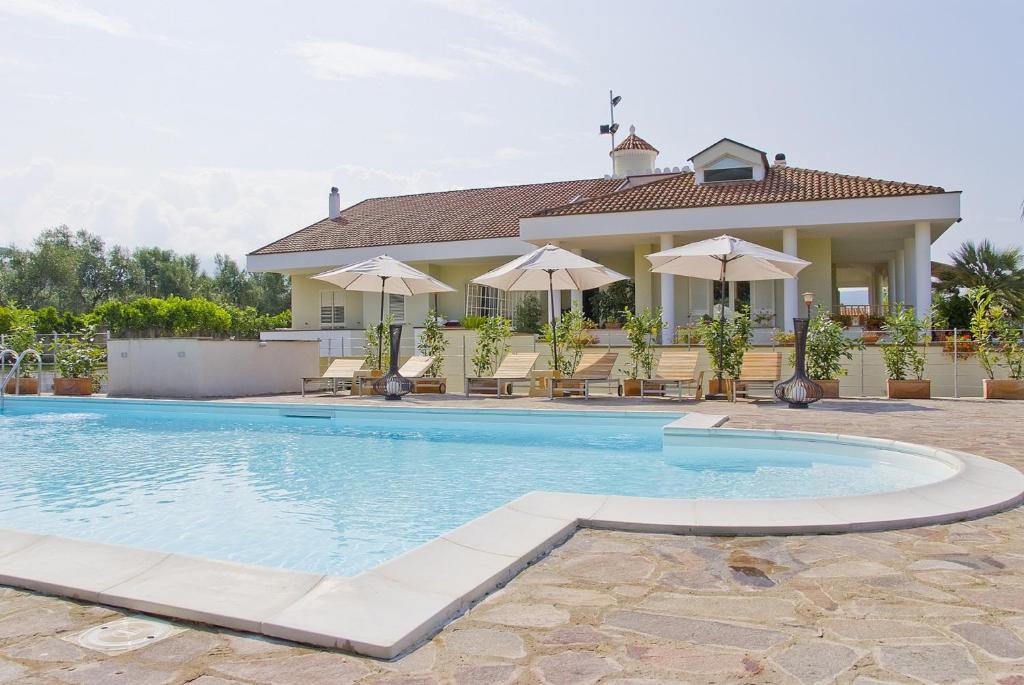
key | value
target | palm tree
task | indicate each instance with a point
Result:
(999, 270)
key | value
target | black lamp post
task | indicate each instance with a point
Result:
(799, 390)
(808, 300)
(393, 385)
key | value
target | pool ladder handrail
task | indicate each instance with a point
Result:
(18, 359)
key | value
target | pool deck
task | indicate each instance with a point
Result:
(941, 603)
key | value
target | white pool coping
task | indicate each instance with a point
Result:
(390, 609)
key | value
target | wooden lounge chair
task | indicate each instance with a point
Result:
(340, 372)
(759, 368)
(675, 368)
(415, 369)
(595, 367)
(514, 368)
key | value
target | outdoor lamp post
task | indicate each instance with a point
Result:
(808, 299)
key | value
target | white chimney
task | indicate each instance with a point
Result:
(334, 204)
(780, 159)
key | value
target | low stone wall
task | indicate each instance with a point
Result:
(197, 368)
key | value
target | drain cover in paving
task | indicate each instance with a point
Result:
(124, 634)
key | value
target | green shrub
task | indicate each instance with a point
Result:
(491, 345)
(433, 343)
(727, 345)
(528, 314)
(377, 348)
(900, 354)
(642, 330)
(472, 321)
(78, 356)
(572, 335)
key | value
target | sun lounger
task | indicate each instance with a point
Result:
(339, 373)
(514, 368)
(595, 368)
(415, 369)
(759, 368)
(676, 368)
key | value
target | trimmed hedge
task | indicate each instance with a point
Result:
(153, 317)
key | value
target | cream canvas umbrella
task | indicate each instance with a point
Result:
(388, 276)
(726, 258)
(552, 268)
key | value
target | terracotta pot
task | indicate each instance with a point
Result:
(908, 390)
(631, 387)
(26, 386)
(871, 338)
(72, 386)
(1003, 389)
(726, 389)
(829, 388)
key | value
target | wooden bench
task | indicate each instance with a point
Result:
(675, 368)
(514, 368)
(595, 367)
(340, 372)
(759, 368)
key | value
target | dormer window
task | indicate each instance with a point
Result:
(729, 162)
(740, 173)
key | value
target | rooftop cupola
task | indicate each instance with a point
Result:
(634, 155)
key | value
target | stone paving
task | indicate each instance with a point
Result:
(937, 604)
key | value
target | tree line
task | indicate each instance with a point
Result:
(74, 272)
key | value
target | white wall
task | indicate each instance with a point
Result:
(193, 368)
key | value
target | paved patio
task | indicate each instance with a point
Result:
(936, 604)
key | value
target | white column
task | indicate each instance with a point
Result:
(668, 297)
(873, 289)
(922, 268)
(790, 296)
(901, 276)
(909, 283)
(576, 296)
(891, 285)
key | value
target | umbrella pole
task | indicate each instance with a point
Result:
(721, 332)
(380, 327)
(554, 319)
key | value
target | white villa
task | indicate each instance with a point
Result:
(856, 232)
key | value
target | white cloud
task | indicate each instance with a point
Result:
(475, 119)
(506, 21)
(513, 60)
(204, 210)
(68, 12)
(342, 61)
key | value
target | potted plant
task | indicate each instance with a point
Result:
(491, 345)
(762, 317)
(783, 338)
(726, 358)
(76, 359)
(641, 331)
(376, 352)
(22, 337)
(826, 347)
(432, 343)
(903, 363)
(997, 340)
(573, 335)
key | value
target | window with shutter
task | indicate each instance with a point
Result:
(332, 309)
(396, 307)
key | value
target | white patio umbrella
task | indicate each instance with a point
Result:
(553, 268)
(726, 258)
(387, 275)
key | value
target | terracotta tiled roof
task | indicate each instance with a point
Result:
(437, 217)
(781, 184)
(635, 142)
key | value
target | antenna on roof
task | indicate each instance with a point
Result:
(612, 127)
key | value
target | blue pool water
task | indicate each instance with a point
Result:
(342, 495)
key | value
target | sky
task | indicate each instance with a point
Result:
(217, 127)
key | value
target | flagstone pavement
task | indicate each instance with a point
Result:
(937, 604)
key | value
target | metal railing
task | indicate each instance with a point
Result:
(6, 376)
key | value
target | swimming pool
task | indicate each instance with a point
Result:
(341, 493)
